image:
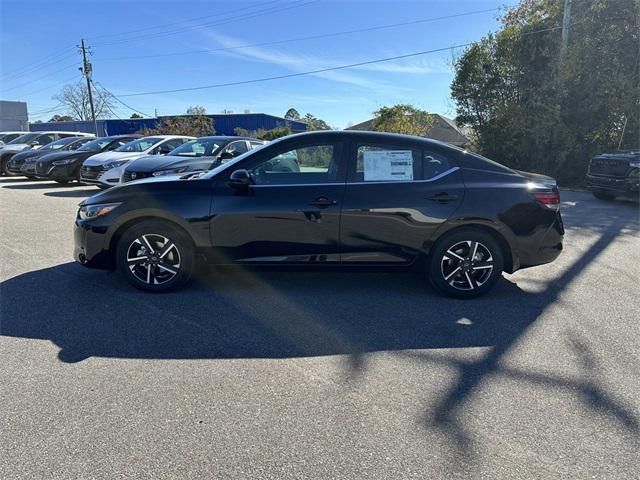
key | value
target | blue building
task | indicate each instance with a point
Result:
(224, 124)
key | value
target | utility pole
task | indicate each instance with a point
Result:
(566, 24)
(86, 70)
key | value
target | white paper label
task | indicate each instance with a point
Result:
(388, 165)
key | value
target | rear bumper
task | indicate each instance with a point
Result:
(543, 246)
(625, 186)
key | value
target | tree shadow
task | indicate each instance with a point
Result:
(239, 313)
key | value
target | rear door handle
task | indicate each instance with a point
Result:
(443, 197)
(323, 202)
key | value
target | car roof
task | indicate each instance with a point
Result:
(370, 136)
(228, 137)
(164, 137)
(79, 134)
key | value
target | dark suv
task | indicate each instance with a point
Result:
(615, 174)
(348, 199)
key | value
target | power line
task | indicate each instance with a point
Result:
(310, 37)
(259, 13)
(219, 14)
(49, 87)
(320, 70)
(38, 79)
(120, 101)
(30, 68)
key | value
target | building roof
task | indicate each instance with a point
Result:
(443, 129)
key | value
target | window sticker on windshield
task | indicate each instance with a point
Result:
(388, 165)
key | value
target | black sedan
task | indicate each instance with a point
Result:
(24, 163)
(201, 154)
(64, 167)
(353, 198)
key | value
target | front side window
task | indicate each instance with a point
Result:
(311, 164)
(236, 149)
(197, 148)
(140, 145)
(95, 145)
(45, 139)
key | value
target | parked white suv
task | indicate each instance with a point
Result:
(111, 164)
(33, 140)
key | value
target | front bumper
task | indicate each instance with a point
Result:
(14, 167)
(97, 176)
(90, 246)
(28, 169)
(624, 186)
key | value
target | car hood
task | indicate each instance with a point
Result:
(106, 157)
(154, 163)
(50, 157)
(28, 154)
(122, 192)
(13, 148)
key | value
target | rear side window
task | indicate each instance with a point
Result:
(433, 164)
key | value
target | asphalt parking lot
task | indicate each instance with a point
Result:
(317, 374)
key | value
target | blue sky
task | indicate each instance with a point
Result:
(46, 31)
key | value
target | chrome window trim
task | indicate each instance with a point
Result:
(395, 182)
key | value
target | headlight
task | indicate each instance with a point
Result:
(634, 164)
(114, 164)
(88, 212)
(171, 171)
(66, 161)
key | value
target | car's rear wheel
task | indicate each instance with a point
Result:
(465, 263)
(602, 195)
(155, 257)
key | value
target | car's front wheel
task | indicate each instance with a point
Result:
(466, 263)
(155, 256)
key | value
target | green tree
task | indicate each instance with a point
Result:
(402, 118)
(263, 134)
(314, 123)
(135, 115)
(193, 124)
(196, 110)
(292, 114)
(532, 108)
(61, 118)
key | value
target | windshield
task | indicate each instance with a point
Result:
(200, 147)
(26, 138)
(139, 145)
(95, 145)
(232, 162)
(58, 144)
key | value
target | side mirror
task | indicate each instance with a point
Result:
(35, 144)
(240, 180)
(226, 156)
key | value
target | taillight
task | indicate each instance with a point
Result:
(548, 199)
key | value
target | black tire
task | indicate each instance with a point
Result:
(454, 276)
(155, 274)
(602, 195)
(30, 177)
(5, 169)
(63, 182)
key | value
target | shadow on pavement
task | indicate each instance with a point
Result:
(236, 313)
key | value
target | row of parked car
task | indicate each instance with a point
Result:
(107, 161)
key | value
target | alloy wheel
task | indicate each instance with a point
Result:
(153, 259)
(467, 265)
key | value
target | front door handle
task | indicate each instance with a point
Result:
(443, 197)
(323, 202)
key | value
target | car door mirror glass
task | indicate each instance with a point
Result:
(225, 156)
